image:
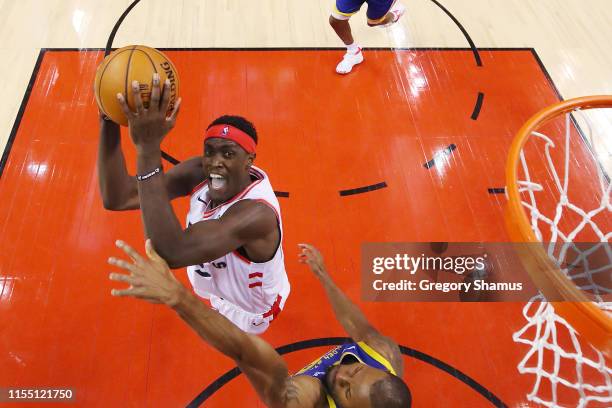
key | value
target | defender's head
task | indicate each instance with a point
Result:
(229, 151)
(359, 385)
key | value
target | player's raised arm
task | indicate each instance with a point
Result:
(348, 314)
(246, 222)
(151, 279)
(117, 187)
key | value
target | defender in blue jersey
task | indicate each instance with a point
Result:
(346, 360)
(366, 373)
(381, 13)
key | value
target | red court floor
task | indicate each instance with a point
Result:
(319, 134)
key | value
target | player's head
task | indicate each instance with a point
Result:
(359, 385)
(229, 152)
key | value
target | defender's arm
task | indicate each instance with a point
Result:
(348, 314)
(151, 279)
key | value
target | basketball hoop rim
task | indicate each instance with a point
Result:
(586, 317)
(540, 118)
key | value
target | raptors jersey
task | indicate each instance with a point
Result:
(255, 288)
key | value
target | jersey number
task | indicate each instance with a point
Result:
(199, 269)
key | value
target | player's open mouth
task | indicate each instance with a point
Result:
(216, 182)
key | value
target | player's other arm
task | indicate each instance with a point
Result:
(348, 314)
(151, 279)
(118, 188)
(245, 222)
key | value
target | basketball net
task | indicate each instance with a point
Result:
(568, 370)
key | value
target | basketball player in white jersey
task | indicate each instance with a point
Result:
(365, 373)
(232, 243)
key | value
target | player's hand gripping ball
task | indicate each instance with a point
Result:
(132, 63)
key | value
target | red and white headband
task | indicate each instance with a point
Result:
(229, 132)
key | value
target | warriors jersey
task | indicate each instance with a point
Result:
(255, 288)
(360, 351)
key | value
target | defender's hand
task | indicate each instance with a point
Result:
(149, 279)
(313, 258)
(149, 126)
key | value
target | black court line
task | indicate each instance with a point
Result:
(478, 106)
(365, 189)
(111, 37)
(590, 148)
(582, 134)
(239, 49)
(464, 31)
(220, 382)
(169, 158)
(474, 49)
(455, 373)
(22, 108)
(546, 74)
(497, 190)
(17, 122)
(444, 152)
(283, 194)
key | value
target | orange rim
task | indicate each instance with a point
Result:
(585, 316)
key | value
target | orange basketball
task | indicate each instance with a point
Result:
(132, 63)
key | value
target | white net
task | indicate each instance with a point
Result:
(568, 371)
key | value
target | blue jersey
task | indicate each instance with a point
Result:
(377, 9)
(361, 351)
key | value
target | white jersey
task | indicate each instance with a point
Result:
(259, 289)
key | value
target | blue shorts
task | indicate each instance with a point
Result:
(377, 9)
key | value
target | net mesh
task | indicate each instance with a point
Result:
(568, 371)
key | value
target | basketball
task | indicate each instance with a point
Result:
(132, 63)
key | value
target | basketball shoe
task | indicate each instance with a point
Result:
(349, 61)
(398, 11)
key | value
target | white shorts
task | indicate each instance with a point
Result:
(249, 322)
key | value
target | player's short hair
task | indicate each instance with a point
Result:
(238, 122)
(390, 392)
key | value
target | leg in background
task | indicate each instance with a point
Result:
(353, 54)
(385, 14)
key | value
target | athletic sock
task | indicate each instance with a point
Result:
(352, 48)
